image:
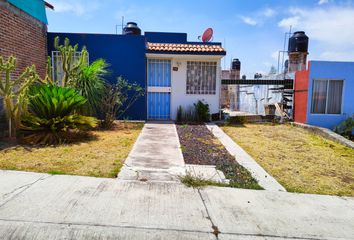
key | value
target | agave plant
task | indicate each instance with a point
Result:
(52, 114)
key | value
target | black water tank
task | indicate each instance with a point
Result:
(298, 42)
(131, 29)
(236, 64)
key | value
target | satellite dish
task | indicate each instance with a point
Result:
(207, 35)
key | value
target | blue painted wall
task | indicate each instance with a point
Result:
(125, 54)
(332, 70)
(166, 37)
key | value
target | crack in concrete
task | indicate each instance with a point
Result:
(273, 236)
(25, 187)
(217, 232)
(104, 225)
(215, 228)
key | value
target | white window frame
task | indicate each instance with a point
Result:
(312, 97)
(210, 91)
(56, 55)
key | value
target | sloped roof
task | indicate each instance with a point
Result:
(186, 47)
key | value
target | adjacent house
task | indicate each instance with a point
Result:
(174, 71)
(23, 27)
(23, 34)
(324, 93)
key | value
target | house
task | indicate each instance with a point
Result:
(323, 93)
(23, 27)
(175, 72)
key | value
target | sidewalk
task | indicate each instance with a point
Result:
(41, 206)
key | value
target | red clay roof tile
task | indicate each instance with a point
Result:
(176, 47)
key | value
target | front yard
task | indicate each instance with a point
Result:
(299, 160)
(101, 156)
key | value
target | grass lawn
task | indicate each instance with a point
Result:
(301, 161)
(102, 156)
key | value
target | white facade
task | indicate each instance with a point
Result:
(179, 96)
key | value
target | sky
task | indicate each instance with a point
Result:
(251, 30)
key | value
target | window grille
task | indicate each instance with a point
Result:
(57, 69)
(201, 77)
(327, 96)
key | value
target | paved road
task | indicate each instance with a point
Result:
(41, 206)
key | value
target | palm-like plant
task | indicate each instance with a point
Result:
(52, 114)
(91, 84)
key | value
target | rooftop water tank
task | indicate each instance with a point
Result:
(131, 29)
(298, 42)
(236, 64)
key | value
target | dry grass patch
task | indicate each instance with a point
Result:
(100, 156)
(301, 161)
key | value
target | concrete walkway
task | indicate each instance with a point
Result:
(156, 155)
(41, 206)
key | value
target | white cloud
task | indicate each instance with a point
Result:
(337, 55)
(248, 20)
(320, 2)
(79, 7)
(259, 16)
(330, 26)
(268, 12)
(287, 22)
(275, 55)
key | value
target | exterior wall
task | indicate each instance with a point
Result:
(125, 54)
(165, 37)
(24, 37)
(332, 70)
(179, 97)
(253, 98)
(300, 96)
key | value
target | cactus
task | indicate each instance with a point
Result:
(14, 91)
(70, 67)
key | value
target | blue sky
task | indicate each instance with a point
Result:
(251, 30)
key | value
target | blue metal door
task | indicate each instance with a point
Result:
(159, 89)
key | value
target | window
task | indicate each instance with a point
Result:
(201, 77)
(57, 65)
(327, 96)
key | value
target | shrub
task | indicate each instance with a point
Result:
(117, 99)
(52, 114)
(197, 113)
(202, 111)
(346, 128)
(179, 114)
